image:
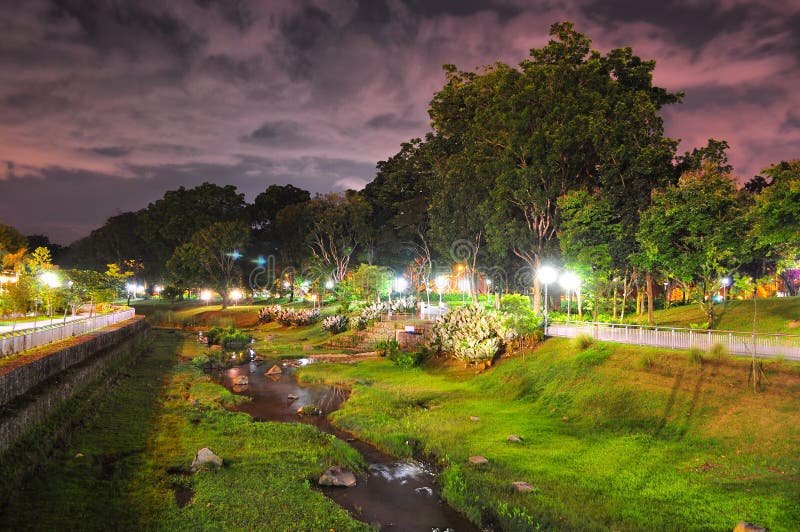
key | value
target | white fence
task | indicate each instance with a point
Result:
(16, 342)
(766, 345)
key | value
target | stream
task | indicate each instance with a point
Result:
(394, 494)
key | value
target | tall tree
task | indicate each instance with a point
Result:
(263, 211)
(212, 252)
(776, 220)
(399, 197)
(565, 119)
(174, 219)
(695, 230)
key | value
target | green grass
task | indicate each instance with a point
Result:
(608, 441)
(137, 443)
(780, 315)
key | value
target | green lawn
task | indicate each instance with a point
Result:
(773, 315)
(615, 437)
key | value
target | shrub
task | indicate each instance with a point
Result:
(583, 341)
(335, 324)
(385, 348)
(695, 356)
(471, 333)
(646, 361)
(404, 305)
(287, 316)
(718, 351)
(229, 337)
(409, 359)
(518, 316)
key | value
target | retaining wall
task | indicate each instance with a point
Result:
(60, 374)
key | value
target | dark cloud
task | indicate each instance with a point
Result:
(279, 133)
(111, 151)
(105, 105)
(393, 121)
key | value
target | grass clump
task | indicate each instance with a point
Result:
(695, 356)
(583, 341)
(718, 351)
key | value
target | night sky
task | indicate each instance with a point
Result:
(105, 105)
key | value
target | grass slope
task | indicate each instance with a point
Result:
(616, 437)
(780, 315)
(120, 469)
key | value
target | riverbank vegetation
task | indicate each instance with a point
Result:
(612, 436)
(129, 461)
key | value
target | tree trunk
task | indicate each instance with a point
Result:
(649, 281)
(614, 302)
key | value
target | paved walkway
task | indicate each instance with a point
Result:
(41, 322)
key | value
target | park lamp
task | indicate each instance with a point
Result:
(205, 295)
(570, 282)
(50, 279)
(725, 282)
(329, 284)
(441, 283)
(546, 275)
(400, 284)
(235, 295)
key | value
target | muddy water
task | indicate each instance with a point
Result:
(395, 494)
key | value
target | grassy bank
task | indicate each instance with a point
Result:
(616, 437)
(777, 314)
(123, 466)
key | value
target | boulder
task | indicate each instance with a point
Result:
(241, 380)
(478, 460)
(474, 418)
(205, 459)
(521, 486)
(336, 476)
(514, 438)
(274, 370)
(307, 347)
(744, 526)
(309, 410)
(292, 397)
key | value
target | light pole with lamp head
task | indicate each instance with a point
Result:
(441, 282)
(569, 282)
(725, 282)
(546, 275)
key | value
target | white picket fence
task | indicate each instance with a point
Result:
(17, 342)
(766, 345)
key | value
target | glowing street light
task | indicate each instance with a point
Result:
(725, 282)
(205, 295)
(400, 284)
(235, 295)
(570, 282)
(546, 276)
(441, 283)
(52, 281)
(329, 284)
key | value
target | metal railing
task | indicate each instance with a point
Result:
(19, 341)
(766, 345)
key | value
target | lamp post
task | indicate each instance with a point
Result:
(205, 295)
(441, 282)
(52, 282)
(569, 282)
(235, 296)
(546, 275)
(725, 282)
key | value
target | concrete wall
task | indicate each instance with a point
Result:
(30, 393)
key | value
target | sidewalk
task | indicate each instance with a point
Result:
(40, 322)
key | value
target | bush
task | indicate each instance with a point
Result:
(718, 351)
(409, 359)
(695, 356)
(404, 305)
(646, 361)
(471, 333)
(385, 348)
(335, 324)
(287, 316)
(229, 337)
(583, 341)
(518, 316)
